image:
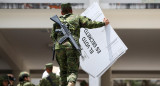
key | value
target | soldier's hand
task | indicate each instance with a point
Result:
(106, 21)
(11, 82)
(71, 84)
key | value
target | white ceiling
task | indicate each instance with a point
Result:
(31, 46)
(4, 65)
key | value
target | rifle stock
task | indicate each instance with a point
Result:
(63, 39)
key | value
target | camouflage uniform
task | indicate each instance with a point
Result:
(66, 55)
(25, 83)
(83, 83)
(22, 82)
(46, 82)
(3, 78)
(52, 76)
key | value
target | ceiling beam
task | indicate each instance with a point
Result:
(9, 55)
(135, 74)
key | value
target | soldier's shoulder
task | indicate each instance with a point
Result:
(57, 76)
(67, 15)
(44, 82)
(28, 84)
(52, 74)
(43, 79)
(83, 17)
(18, 84)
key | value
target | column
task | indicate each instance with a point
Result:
(106, 79)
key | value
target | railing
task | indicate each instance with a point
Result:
(37, 5)
(79, 5)
(134, 5)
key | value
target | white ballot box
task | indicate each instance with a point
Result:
(101, 47)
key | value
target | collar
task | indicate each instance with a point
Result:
(66, 15)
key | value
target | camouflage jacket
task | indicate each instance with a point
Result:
(55, 79)
(25, 83)
(74, 23)
(1, 82)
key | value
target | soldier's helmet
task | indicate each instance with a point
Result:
(66, 7)
(49, 65)
(22, 75)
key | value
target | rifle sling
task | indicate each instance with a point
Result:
(50, 80)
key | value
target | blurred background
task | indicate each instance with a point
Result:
(25, 43)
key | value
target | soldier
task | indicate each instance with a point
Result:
(24, 79)
(4, 80)
(52, 79)
(66, 55)
(83, 83)
(11, 79)
(7, 80)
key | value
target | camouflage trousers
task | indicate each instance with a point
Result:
(68, 60)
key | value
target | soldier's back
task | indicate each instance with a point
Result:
(51, 79)
(25, 84)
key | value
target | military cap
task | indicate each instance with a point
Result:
(49, 65)
(66, 7)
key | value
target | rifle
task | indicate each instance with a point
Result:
(53, 50)
(66, 32)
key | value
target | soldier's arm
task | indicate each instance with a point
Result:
(58, 79)
(43, 82)
(28, 84)
(53, 35)
(72, 78)
(88, 23)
